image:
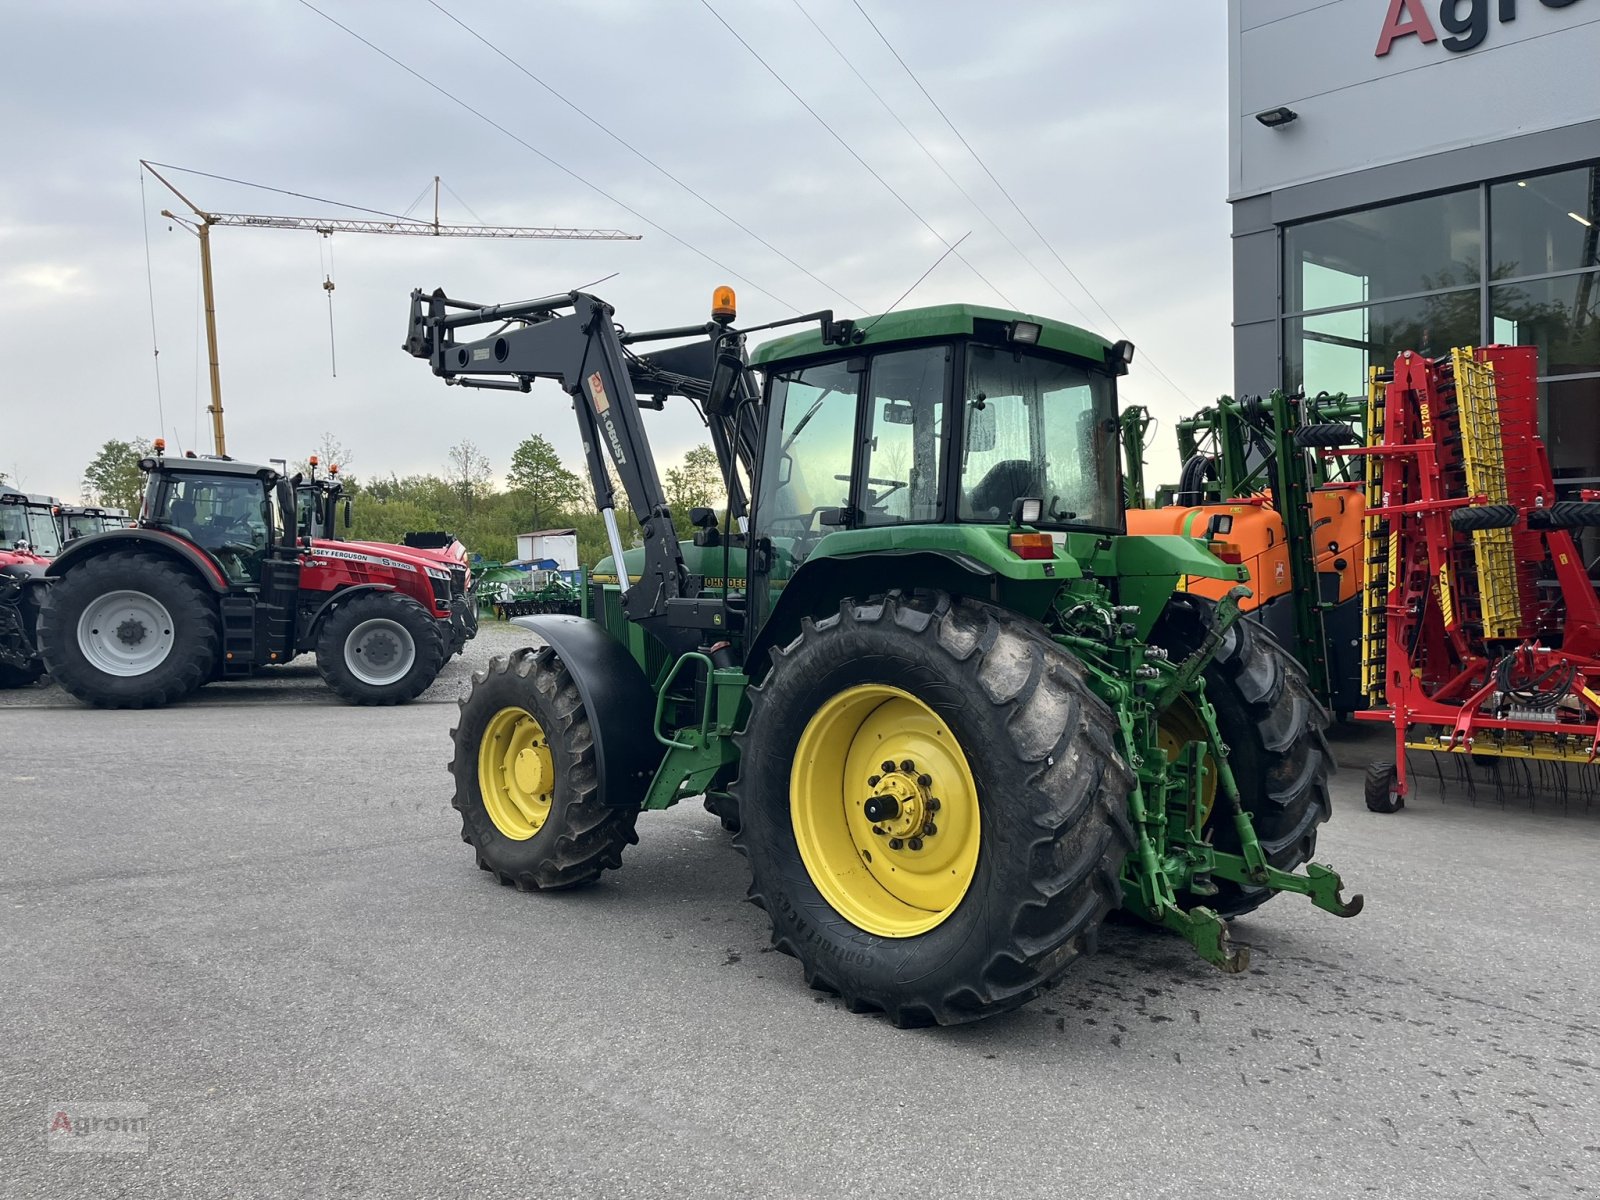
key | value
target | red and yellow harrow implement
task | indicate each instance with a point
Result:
(1481, 626)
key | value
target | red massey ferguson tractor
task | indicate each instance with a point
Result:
(216, 580)
(318, 501)
(28, 540)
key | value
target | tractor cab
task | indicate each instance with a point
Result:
(231, 510)
(317, 502)
(955, 416)
(28, 524)
(79, 520)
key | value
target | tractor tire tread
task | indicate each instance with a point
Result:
(1378, 788)
(591, 834)
(428, 634)
(1273, 724)
(1484, 516)
(188, 666)
(1064, 805)
(1330, 435)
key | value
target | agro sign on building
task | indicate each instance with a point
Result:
(1466, 21)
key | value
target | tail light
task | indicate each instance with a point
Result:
(1228, 552)
(1032, 545)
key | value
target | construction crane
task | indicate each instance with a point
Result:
(203, 221)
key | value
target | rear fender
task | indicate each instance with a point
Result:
(156, 541)
(819, 584)
(619, 700)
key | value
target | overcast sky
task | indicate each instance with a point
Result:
(1105, 120)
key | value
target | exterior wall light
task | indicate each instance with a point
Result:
(1277, 118)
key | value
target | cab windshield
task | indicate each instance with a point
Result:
(42, 532)
(13, 526)
(1039, 428)
(83, 524)
(231, 517)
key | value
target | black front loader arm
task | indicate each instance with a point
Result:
(572, 339)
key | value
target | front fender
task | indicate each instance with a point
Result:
(618, 698)
(333, 602)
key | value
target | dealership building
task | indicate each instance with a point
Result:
(1418, 175)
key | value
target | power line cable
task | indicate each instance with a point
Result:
(918, 283)
(266, 187)
(564, 169)
(834, 133)
(150, 286)
(943, 170)
(977, 159)
(643, 157)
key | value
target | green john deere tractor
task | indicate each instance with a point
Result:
(954, 713)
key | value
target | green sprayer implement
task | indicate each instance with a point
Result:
(954, 713)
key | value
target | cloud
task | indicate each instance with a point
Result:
(1108, 128)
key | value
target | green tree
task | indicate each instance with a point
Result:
(113, 478)
(469, 474)
(330, 452)
(694, 483)
(545, 488)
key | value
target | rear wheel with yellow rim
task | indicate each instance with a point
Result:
(932, 805)
(526, 785)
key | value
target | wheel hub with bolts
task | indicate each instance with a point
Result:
(126, 633)
(379, 651)
(516, 774)
(901, 804)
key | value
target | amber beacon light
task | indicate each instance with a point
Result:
(724, 306)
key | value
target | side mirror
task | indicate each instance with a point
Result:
(899, 412)
(980, 427)
(347, 513)
(724, 381)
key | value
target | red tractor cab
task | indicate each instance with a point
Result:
(27, 541)
(79, 520)
(216, 580)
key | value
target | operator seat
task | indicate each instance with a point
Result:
(181, 518)
(992, 496)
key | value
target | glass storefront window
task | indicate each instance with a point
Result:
(1331, 352)
(1546, 223)
(1561, 316)
(1418, 246)
(1571, 421)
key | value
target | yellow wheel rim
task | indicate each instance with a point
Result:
(1179, 726)
(885, 811)
(516, 775)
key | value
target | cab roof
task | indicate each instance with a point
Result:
(937, 321)
(33, 499)
(208, 464)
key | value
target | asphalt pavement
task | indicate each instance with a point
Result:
(250, 920)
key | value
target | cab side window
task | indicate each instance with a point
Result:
(903, 476)
(811, 444)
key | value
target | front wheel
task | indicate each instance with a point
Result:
(526, 783)
(933, 807)
(129, 630)
(380, 648)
